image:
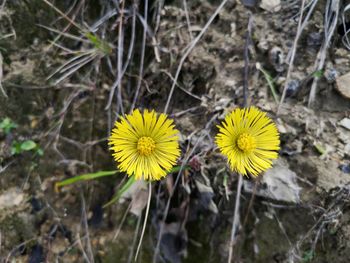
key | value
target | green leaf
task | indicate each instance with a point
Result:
(85, 177)
(15, 148)
(124, 188)
(308, 256)
(320, 148)
(132, 180)
(7, 125)
(28, 145)
(318, 73)
(99, 43)
(270, 81)
(177, 168)
(40, 152)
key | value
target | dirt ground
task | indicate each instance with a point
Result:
(59, 83)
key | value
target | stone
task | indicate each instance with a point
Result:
(345, 123)
(278, 183)
(343, 85)
(271, 5)
(12, 197)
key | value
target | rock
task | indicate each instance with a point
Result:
(276, 58)
(329, 175)
(314, 39)
(345, 123)
(347, 148)
(293, 87)
(58, 246)
(206, 195)
(249, 3)
(37, 254)
(271, 5)
(12, 197)
(345, 168)
(281, 128)
(324, 174)
(331, 73)
(278, 183)
(343, 135)
(343, 85)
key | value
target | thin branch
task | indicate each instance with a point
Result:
(1, 72)
(246, 60)
(251, 201)
(167, 207)
(331, 20)
(122, 222)
(236, 215)
(128, 59)
(189, 48)
(235, 222)
(134, 239)
(63, 14)
(180, 87)
(142, 60)
(293, 51)
(86, 227)
(345, 38)
(184, 2)
(120, 58)
(145, 221)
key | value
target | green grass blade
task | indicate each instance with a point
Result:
(132, 180)
(85, 177)
(99, 43)
(177, 168)
(318, 73)
(124, 188)
(270, 81)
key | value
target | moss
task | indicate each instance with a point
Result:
(25, 21)
(17, 228)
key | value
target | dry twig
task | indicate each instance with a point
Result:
(301, 25)
(189, 48)
(330, 23)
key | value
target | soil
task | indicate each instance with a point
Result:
(70, 123)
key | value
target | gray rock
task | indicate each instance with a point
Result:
(343, 85)
(345, 123)
(278, 183)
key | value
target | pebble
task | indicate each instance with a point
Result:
(292, 87)
(343, 85)
(345, 123)
(271, 5)
(12, 197)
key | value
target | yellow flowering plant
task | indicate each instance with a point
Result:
(249, 139)
(145, 145)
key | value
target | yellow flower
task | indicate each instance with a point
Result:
(145, 145)
(249, 139)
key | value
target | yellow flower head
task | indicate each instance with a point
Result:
(249, 139)
(145, 145)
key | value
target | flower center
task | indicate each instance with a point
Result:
(146, 145)
(246, 142)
